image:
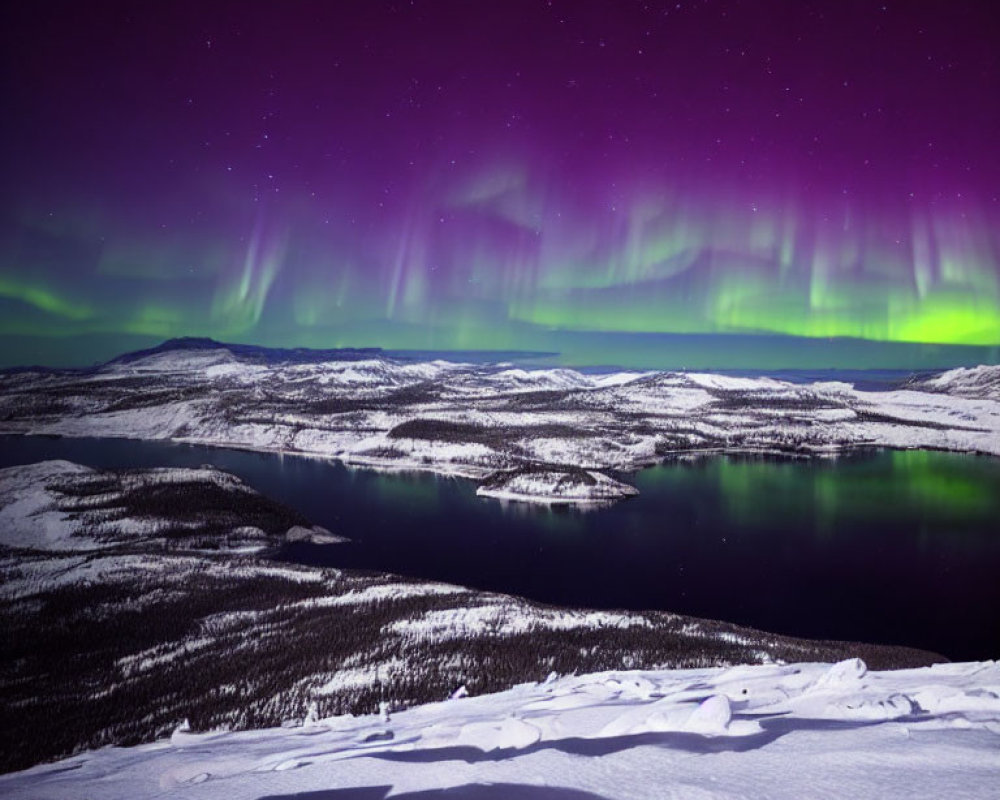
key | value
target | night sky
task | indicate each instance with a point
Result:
(593, 178)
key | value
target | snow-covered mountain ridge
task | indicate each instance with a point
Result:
(551, 434)
(802, 730)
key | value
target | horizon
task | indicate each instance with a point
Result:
(667, 353)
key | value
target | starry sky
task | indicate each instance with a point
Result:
(767, 183)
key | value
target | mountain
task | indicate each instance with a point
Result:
(251, 353)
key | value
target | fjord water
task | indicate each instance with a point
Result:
(897, 547)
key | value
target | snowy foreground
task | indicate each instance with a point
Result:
(549, 435)
(796, 731)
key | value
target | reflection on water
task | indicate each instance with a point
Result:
(887, 546)
(949, 490)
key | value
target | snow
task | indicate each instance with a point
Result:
(981, 381)
(775, 731)
(503, 619)
(557, 487)
(358, 677)
(731, 384)
(382, 593)
(173, 361)
(28, 513)
(162, 654)
(244, 373)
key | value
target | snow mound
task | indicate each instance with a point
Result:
(844, 673)
(712, 716)
(505, 734)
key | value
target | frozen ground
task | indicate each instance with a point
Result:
(549, 435)
(795, 731)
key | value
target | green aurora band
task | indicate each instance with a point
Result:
(484, 264)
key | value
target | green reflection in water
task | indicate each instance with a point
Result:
(949, 490)
(922, 492)
(418, 493)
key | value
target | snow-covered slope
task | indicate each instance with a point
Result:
(967, 382)
(58, 506)
(29, 512)
(795, 731)
(493, 423)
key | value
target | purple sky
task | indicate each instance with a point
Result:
(481, 174)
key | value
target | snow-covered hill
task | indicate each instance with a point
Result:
(59, 506)
(966, 382)
(493, 423)
(795, 731)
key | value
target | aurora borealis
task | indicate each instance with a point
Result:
(622, 182)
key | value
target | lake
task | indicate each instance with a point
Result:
(885, 546)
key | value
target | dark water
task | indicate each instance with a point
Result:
(895, 547)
